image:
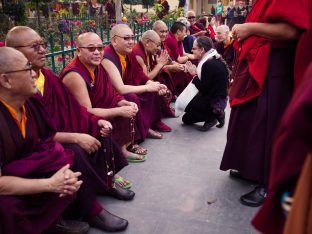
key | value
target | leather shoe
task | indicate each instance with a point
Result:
(237, 175)
(108, 222)
(254, 198)
(121, 193)
(68, 227)
(207, 125)
(221, 122)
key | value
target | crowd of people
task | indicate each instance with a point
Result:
(63, 139)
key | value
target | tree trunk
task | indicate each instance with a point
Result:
(118, 10)
(38, 14)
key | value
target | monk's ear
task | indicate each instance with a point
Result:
(5, 81)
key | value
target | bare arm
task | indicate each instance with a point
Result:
(154, 72)
(75, 83)
(118, 83)
(274, 31)
(63, 181)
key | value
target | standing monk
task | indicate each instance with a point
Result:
(36, 183)
(262, 88)
(129, 80)
(146, 53)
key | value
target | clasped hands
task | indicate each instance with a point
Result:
(65, 181)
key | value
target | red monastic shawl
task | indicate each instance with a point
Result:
(173, 47)
(256, 50)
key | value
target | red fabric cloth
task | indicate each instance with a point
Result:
(173, 47)
(292, 142)
(68, 115)
(212, 32)
(2, 44)
(148, 103)
(255, 50)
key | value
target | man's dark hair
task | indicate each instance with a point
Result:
(204, 42)
(177, 26)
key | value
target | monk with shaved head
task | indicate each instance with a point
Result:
(90, 84)
(77, 130)
(36, 182)
(152, 60)
(129, 79)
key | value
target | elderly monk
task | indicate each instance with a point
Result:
(73, 122)
(176, 69)
(35, 179)
(224, 44)
(129, 80)
(90, 84)
(146, 52)
(63, 106)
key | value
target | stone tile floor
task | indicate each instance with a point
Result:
(174, 185)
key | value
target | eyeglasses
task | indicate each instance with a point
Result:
(191, 17)
(35, 46)
(28, 68)
(93, 48)
(126, 38)
(157, 44)
(163, 31)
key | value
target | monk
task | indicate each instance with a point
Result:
(175, 69)
(174, 46)
(63, 106)
(36, 182)
(292, 140)
(146, 54)
(129, 80)
(224, 45)
(261, 90)
(100, 166)
(196, 28)
(90, 84)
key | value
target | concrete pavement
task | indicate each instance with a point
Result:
(175, 184)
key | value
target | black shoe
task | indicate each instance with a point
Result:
(254, 198)
(236, 174)
(68, 227)
(121, 193)
(207, 125)
(221, 122)
(108, 222)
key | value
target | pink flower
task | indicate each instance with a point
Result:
(78, 22)
(59, 59)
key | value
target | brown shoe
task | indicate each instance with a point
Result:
(68, 227)
(108, 222)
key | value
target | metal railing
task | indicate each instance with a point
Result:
(62, 44)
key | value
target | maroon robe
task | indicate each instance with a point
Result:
(36, 156)
(163, 77)
(291, 145)
(102, 95)
(227, 53)
(69, 116)
(148, 103)
(175, 49)
(263, 97)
